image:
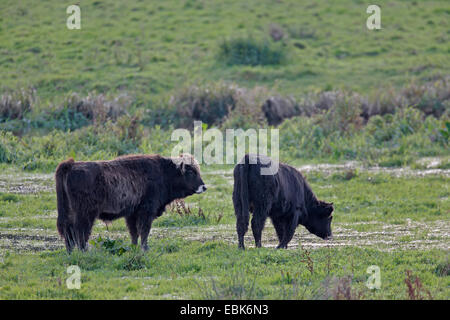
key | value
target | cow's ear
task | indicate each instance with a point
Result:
(330, 210)
(179, 164)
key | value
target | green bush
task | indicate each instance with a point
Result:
(390, 140)
(251, 51)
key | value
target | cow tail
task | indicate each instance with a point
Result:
(64, 223)
(244, 188)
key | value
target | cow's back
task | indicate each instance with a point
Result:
(283, 190)
(111, 186)
(126, 183)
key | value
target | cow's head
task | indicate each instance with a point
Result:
(189, 174)
(319, 219)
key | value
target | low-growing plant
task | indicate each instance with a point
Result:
(251, 51)
(113, 246)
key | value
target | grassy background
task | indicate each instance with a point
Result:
(150, 48)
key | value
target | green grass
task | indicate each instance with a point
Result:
(185, 262)
(214, 270)
(150, 48)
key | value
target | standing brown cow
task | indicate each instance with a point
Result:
(137, 187)
(285, 197)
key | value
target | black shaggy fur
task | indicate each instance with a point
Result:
(136, 187)
(285, 197)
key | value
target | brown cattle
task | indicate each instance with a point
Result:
(285, 197)
(136, 187)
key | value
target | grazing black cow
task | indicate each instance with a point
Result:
(284, 196)
(137, 187)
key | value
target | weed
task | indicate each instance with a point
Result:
(113, 246)
(306, 258)
(415, 289)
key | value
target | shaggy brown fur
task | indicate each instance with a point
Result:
(285, 197)
(137, 187)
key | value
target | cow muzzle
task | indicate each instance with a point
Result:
(201, 189)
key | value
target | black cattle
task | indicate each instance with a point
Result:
(137, 187)
(284, 196)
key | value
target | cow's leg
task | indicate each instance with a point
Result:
(258, 221)
(66, 230)
(279, 228)
(290, 226)
(144, 226)
(132, 228)
(83, 228)
(241, 228)
(69, 237)
(241, 221)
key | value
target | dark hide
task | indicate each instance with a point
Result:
(285, 197)
(136, 187)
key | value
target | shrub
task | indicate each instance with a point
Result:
(16, 104)
(210, 103)
(219, 104)
(97, 107)
(277, 108)
(344, 114)
(384, 101)
(432, 98)
(10, 147)
(247, 111)
(250, 51)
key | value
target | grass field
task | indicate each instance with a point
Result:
(150, 48)
(369, 129)
(397, 221)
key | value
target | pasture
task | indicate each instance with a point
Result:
(397, 221)
(365, 117)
